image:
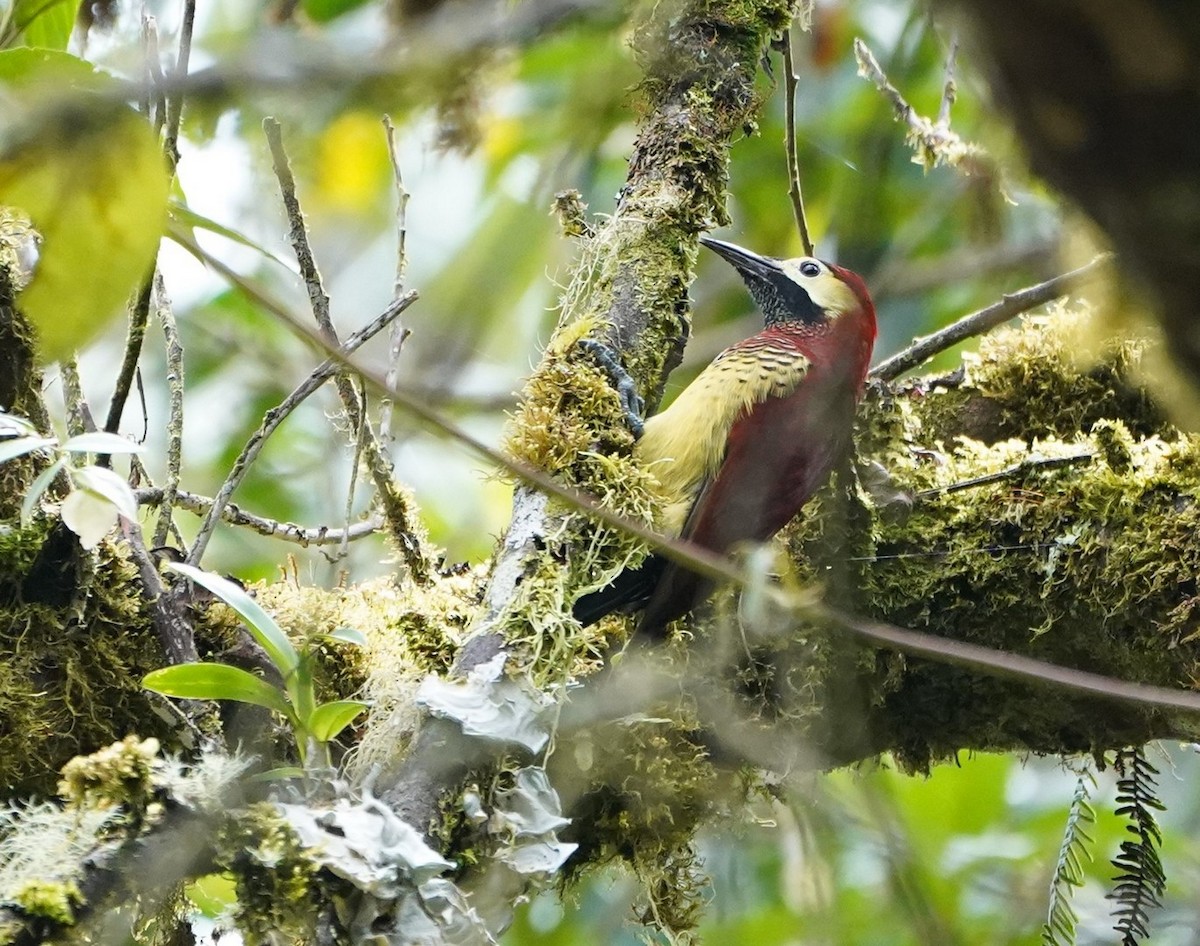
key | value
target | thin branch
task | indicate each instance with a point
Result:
(274, 417)
(174, 353)
(272, 528)
(175, 99)
(1001, 663)
(789, 142)
(984, 320)
(1025, 466)
(139, 317)
(397, 505)
(154, 103)
(167, 614)
(79, 415)
(399, 333)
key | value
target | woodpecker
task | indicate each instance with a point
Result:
(748, 443)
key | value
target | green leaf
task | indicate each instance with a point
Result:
(19, 446)
(98, 441)
(89, 173)
(324, 10)
(348, 635)
(212, 681)
(278, 774)
(329, 719)
(45, 23)
(14, 425)
(261, 625)
(38, 487)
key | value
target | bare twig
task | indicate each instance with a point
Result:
(398, 507)
(154, 103)
(79, 415)
(274, 417)
(139, 317)
(1025, 466)
(174, 352)
(169, 617)
(175, 98)
(789, 142)
(1001, 663)
(399, 334)
(934, 141)
(984, 320)
(287, 531)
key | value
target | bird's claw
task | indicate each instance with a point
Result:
(631, 402)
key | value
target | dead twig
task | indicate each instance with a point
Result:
(934, 141)
(272, 528)
(984, 320)
(174, 352)
(789, 141)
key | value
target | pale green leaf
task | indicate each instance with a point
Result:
(89, 515)
(181, 219)
(42, 483)
(261, 625)
(19, 446)
(212, 681)
(348, 635)
(329, 719)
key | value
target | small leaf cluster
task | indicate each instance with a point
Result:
(99, 495)
(314, 724)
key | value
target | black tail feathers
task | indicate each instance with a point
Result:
(629, 591)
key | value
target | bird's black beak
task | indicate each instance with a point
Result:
(745, 262)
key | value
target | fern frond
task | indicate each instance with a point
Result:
(1061, 918)
(1139, 885)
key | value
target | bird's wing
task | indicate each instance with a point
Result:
(770, 453)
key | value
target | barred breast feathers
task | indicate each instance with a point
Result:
(684, 445)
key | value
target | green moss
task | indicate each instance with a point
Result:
(644, 787)
(1072, 543)
(48, 900)
(119, 775)
(277, 893)
(70, 676)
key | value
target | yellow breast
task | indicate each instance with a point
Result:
(684, 445)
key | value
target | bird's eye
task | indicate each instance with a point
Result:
(810, 269)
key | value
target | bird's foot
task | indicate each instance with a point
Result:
(631, 402)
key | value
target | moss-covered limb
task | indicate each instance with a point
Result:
(700, 59)
(20, 376)
(1090, 563)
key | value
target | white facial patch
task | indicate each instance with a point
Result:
(823, 287)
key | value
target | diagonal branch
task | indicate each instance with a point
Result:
(398, 507)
